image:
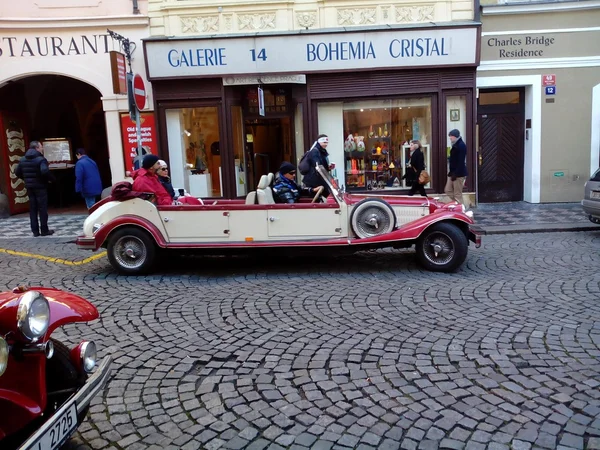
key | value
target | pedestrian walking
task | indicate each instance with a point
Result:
(87, 178)
(34, 170)
(458, 167)
(417, 165)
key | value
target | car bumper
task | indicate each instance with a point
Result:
(475, 234)
(86, 243)
(591, 207)
(82, 400)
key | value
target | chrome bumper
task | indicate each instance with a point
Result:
(475, 233)
(85, 243)
(82, 399)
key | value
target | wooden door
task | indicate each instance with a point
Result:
(500, 156)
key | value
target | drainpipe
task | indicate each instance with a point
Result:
(136, 9)
(476, 7)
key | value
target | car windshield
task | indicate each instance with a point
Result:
(334, 188)
(596, 176)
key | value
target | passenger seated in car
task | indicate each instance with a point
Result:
(285, 189)
(146, 180)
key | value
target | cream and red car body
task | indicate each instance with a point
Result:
(233, 224)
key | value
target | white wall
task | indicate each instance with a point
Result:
(331, 123)
(595, 147)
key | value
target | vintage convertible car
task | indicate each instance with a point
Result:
(135, 230)
(45, 387)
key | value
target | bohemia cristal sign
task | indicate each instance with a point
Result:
(14, 47)
(312, 52)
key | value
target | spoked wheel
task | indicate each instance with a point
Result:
(372, 217)
(442, 248)
(131, 251)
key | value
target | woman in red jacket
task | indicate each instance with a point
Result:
(146, 180)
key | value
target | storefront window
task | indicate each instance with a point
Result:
(456, 118)
(239, 158)
(377, 136)
(194, 152)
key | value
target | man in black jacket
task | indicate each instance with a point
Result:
(33, 168)
(458, 167)
(318, 155)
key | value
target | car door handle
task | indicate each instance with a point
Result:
(272, 219)
(166, 219)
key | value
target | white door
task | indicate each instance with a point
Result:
(299, 222)
(196, 226)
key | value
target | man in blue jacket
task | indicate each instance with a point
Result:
(87, 178)
(458, 167)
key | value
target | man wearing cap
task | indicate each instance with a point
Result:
(146, 180)
(285, 189)
(318, 155)
(458, 167)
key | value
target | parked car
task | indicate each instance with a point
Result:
(45, 386)
(591, 199)
(135, 230)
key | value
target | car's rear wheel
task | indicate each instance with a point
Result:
(442, 247)
(131, 251)
(372, 217)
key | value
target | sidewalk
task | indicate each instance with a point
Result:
(522, 217)
(495, 218)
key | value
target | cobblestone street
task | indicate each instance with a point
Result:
(361, 351)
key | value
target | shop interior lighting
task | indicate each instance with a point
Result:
(187, 133)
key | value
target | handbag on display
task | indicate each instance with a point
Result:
(424, 177)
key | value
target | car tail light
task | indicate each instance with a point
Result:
(84, 356)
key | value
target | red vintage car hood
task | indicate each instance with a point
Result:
(64, 308)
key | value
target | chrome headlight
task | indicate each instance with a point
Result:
(3, 355)
(33, 315)
(88, 356)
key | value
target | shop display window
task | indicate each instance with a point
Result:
(377, 135)
(201, 151)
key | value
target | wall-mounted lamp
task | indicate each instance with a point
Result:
(187, 133)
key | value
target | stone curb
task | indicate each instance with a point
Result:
(539, 228)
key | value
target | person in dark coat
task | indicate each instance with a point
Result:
(458, 167)
(87, 178)
(285, 189)
(163, 177)
(318, 155)
(33, 169)
(417, 165)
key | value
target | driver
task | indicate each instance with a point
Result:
(285, 189)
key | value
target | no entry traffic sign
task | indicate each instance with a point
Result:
(139, 92)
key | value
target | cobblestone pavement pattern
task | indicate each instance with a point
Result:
(363, 351)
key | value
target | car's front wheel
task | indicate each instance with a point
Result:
(442, 247)
(131, 251)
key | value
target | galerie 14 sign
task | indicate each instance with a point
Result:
(149, 142)
(312, 52)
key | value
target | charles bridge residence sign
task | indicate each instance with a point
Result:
(505, 47)
(16, 47)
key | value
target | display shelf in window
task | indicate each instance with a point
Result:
(406, 158)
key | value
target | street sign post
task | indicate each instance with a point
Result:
(139, 97)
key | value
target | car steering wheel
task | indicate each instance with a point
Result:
(318, 194)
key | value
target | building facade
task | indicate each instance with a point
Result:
(242, 87)
(539, 100)
(56, 86)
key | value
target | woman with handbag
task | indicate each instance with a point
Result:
(417, 163)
